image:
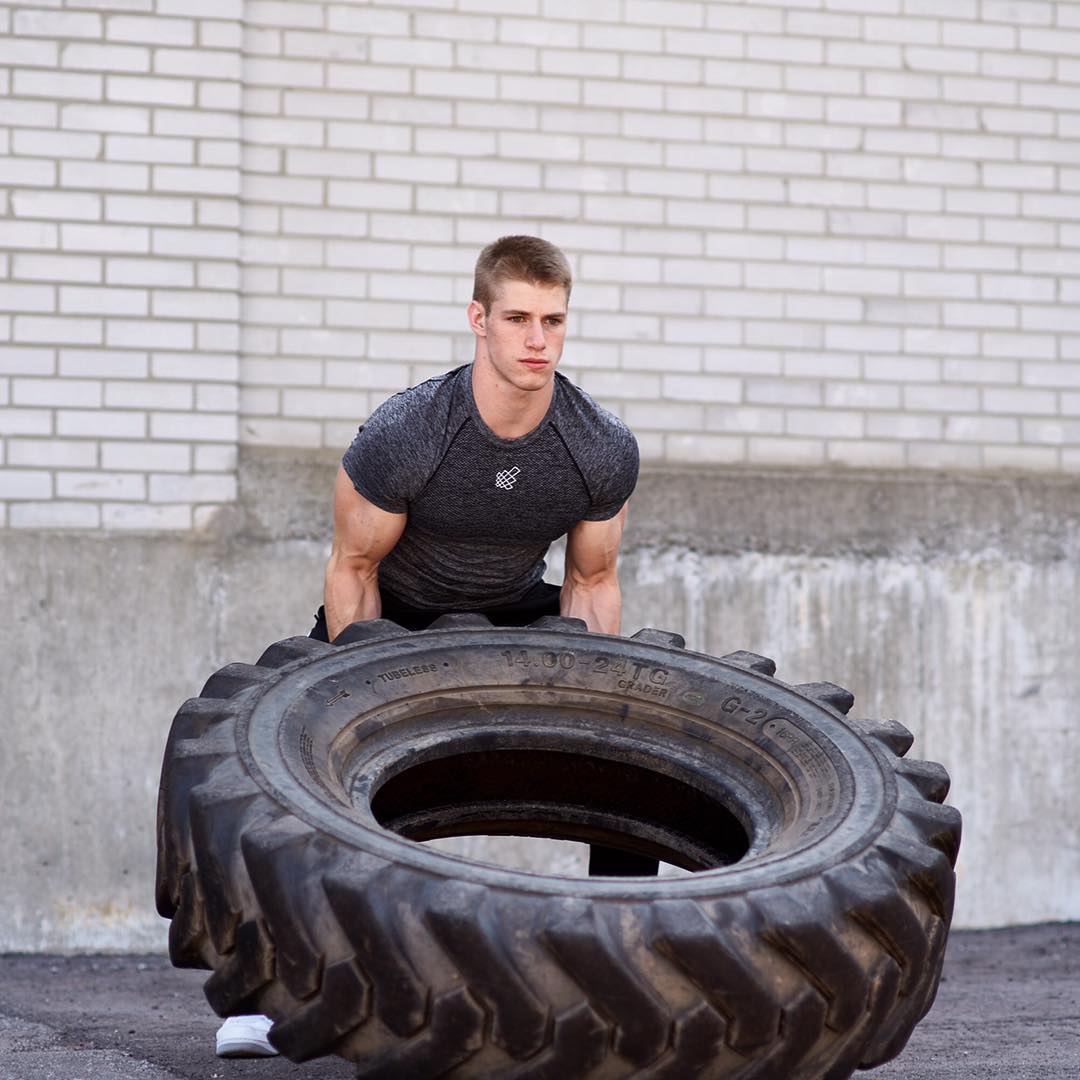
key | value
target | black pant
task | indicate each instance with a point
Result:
(541, 599)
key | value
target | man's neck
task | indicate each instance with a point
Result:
(507, 410)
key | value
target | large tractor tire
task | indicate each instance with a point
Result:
(807, 942)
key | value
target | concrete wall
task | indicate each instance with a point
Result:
(944, 603)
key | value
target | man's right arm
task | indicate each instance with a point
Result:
(363, 536)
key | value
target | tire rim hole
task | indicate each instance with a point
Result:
(562, 795)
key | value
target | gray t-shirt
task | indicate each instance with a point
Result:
(483, 509)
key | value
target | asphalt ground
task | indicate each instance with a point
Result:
(1009, 1006)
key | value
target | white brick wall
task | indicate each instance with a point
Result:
(121, 231)
(842, 236)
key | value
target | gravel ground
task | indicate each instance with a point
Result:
(1009, 1006)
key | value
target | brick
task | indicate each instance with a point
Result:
(18, 297)
(943, 342)
(56, 330)
(1017, 121)
(25, 421)
(622, 327)
(80, 393)
(145, 518)
(54, 515)
(57, 24)
(151, 149)
(143, 394)
(902, 369)
(783, 161)
(938, 285)
(205, 367)
(103, 423)
(769, 450)
(981, 371)
(281, 432)
(146, 457)
(979, 147)
(152, 31)
(26, 360)
(862, 166)
(100, 485)
(865, 454)
(721, 100)
(833, 423)
(202, 9)
(52, 453)
(105, 58)
(117, 118)
(938, 398)
(102, 364)
(100, 174)
(1021, 288)
(698, 449)
(617, 208)
(573, 61)
(149, 272)
(1053, 432)
(35, 114)
(148, 334)
(89, 300)
(1017, 401)
(208, 487)
(544, 89)
(105, 238)
(196, 180)
(701, 388)
(705, 43)
(56, 84)
(744, 419)
(970, 257)
(286, 13)
(981, 429)
(190, 427)
(379, 80)
(906, 426)
(325, 403)
(30, 53)
(1059, 319)
(1050, 41)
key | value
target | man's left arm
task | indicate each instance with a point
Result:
(591, 586)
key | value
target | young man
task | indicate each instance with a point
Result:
(452, 491)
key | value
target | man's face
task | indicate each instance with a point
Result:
(523, 332)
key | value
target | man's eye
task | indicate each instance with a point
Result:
(555, 322)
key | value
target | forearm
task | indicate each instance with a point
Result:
(598, 602)
(350, 595)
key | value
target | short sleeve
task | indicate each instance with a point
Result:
(615, 478)
(381, 463)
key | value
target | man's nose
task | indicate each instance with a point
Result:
(536, 339)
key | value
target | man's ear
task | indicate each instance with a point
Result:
(477, 318)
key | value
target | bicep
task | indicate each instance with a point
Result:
(362, 531)
(592, 547)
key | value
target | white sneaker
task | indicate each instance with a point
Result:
(245, 1036)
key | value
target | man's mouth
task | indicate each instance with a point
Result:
(533, 361)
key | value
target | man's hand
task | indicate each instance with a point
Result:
(363, 536)
(591, 587)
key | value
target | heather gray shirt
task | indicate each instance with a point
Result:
(483, 509)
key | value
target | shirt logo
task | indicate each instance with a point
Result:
(507, 478)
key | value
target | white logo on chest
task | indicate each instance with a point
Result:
(507, 478)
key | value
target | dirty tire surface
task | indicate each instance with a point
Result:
(807, 943)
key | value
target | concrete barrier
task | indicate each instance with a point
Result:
(946, 603)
